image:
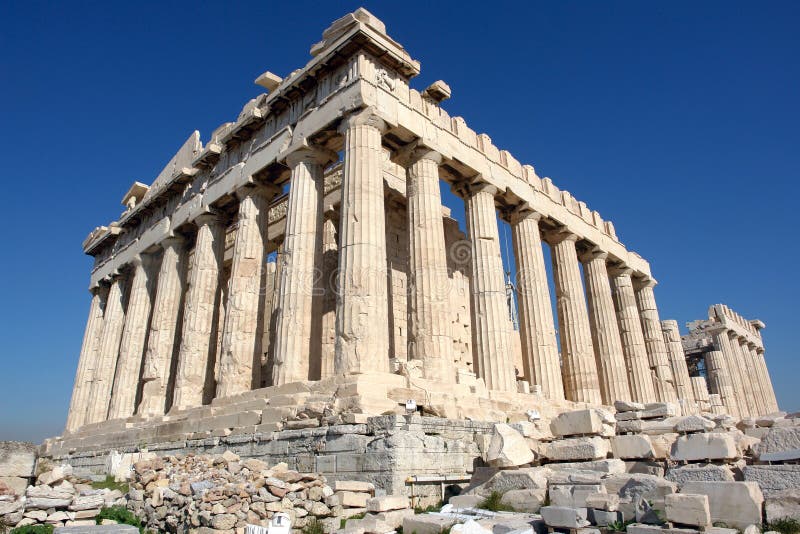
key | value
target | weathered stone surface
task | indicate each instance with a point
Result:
(773, 478)
(694, 423)
(688, 509)
(711, 446)
(525, 478)
(97, 529)
(524, 500)
(737, 504)
(563, 517)
(783, 504)
(780, 444)
(387, 503)
(610, 465)
(508, 448)
(583, 422)
(17, 459)
(427, 524)
(354, 485)
(699, 473)
(572, 495)
(628, 406)
(593, 448)
(632, 447)
(603, 501)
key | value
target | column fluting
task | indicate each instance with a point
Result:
(677, 360)
(719, 377)
(737, 405)
(654, 341)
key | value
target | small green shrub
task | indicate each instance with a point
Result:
(619, 526)
(120, 514)
(313, 527)
(493, 504)
(34, 529)
(429, 508)
(344, 519)
(112, 484)
(784, 525)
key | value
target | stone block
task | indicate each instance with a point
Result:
(584, 448)
(508, 448)
(712, 446)
(603, 518)
(780, 444)
(524, 500)
(97, 529)
(662, 444)
(610, 465)
(737, 504)
(471, 501)
(354, 485)
(13, 485)
(386, 503)
(608, 502)
(17, 459)
(526, 478)
(628, 406)
(773, 479)
(427, 523)
(645, 468)
(687, 509)
(783, 504)
(563, 517)
(572, 495)
(660, 409)
(639, 528)
(699, 473)
(583, 422)
(632, 447)
(694, 423)
(353, 499)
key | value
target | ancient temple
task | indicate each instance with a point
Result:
(300, 261)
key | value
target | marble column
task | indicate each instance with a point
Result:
(300, 260)
(134, 339)
(719, 378)
(581, 383)
(699, 390)
(606, 339)
(103, 376)
(240, 353)
(770, 391)
(536, 324)
(165, 328)
(737, 405)
(431, 339)
(759, 382)
(654, 341)
(196, 358)
(751, 382)
(362, 313)
(88, 359)
(330, 259)
(740, 376)
(491, 328)
(640, 377)
(269, 320)
(677, 360)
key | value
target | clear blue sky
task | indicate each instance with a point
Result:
(678, 121)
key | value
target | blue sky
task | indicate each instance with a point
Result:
(678, 121)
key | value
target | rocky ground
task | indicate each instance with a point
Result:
(643, 469)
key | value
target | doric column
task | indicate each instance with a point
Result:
(491, 332)
(300, 263)
(605, 331)
(536, 324)
(640, 378)
(677, 360)
(700, 390)
(759, 383)
(362, 331)
(654, 341)
(134, 339)
(88, 359)
(737, 405)
(431, 339)
(103, 376)
(240, 354)
(752, 385)
(165, 325)
(719, 378)
(196, 359)
(330, 259)
(770, 391)
(579, 369)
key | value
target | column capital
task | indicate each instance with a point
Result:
(473, 186)
(619, 270)
(413, 152)
(173, 241)
(644, 282)
(523, 212)
(307, 153)
(558, 235)
(592, 253)
(207, 218)
(249, 190)
(363, 117)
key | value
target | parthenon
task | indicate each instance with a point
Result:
(304, 249)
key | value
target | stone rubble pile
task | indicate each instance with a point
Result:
(57, 498)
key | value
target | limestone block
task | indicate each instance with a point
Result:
(13, 485)
(699, 473)
(610, 465)
(387, 503)
(572, 495)
(769, 420)
(633, 486)
(524, 500)
(646, 468)
(394, 518)
(659, 409)
(508, 448)
(694, 423)
(628, 406)
(688, 509)
(17, 459)
(773, 479)
(780, 444)
(603, 518)
(712, 446)
(526, 478)
(472, 501)
(603, 501)
(585, 448)
(352, 499)
(470, 527)
(783, 504)
(632, 447)
(54, 476)
(427, 523)
(563, 517)
(639, 528)
(737, 504)
(354, 485)
(582, 422)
